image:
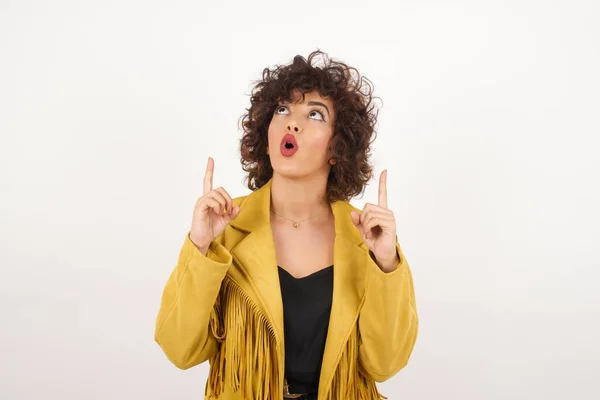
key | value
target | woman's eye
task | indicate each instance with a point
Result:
(280, 109)
(319, 115)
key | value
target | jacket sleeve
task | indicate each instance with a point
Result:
(388, 321)
(182, 325)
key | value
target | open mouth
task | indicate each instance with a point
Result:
(289, 146)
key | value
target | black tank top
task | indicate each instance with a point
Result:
(306, 311)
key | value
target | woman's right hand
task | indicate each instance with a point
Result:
(213, 211)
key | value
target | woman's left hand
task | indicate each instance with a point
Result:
(377, 224)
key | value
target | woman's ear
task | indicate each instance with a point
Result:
(332, 160)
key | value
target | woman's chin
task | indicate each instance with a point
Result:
(288, 172)
(289, 169)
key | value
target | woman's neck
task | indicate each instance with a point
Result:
(298, 199)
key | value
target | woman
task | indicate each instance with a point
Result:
(290, 291)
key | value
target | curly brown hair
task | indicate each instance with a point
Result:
(354, 126)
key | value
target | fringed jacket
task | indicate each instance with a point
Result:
(226, 308)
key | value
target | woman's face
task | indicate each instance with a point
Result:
(307, 128)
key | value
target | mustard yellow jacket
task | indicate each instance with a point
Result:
(226, 308)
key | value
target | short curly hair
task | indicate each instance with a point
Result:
(354, 126)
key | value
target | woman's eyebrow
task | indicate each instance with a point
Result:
(318, 103)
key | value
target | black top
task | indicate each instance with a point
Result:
(306, 310)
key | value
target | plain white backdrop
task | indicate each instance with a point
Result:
(489, 130)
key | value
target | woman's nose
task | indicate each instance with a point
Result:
(292, 127)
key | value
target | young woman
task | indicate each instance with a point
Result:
(290, 291)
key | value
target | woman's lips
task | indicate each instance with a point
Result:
(292, 145)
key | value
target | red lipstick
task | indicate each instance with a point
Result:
(289, 146)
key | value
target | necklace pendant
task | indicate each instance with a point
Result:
(295, 224)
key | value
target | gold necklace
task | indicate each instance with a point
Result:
(296, 223)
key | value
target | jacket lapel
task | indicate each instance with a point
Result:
(349, 283)
(257, 267)
(256, 258)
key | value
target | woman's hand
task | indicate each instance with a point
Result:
(213, 211)
(378, 227)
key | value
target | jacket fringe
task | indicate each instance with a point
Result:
(247, 355)
(348, 381)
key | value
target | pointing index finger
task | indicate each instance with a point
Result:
(383, 189)
(208, 175)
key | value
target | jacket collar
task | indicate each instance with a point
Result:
(256, 257)
(255, 215)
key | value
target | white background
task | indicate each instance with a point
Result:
(489, 130)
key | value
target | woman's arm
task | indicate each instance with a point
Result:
(182, 326)
(388, 321)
